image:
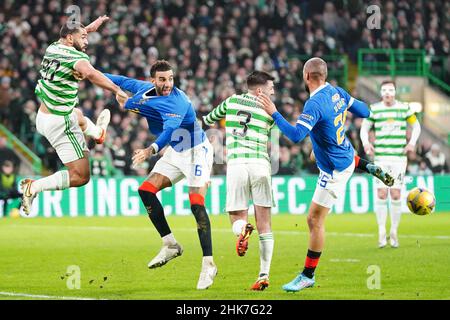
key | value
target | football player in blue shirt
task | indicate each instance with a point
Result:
(323, 118)
(171, 117)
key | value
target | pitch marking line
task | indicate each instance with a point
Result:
(286, 232)
(345, 260)
(42, 296)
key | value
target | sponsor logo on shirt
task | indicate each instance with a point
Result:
(307, 117)
(173, 115)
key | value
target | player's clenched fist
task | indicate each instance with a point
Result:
(93, 26)
(140, 155)
(121, 97)
(266, 103)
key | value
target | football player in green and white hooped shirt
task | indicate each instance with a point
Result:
(63, 66)
(248, 167)
(390, 118)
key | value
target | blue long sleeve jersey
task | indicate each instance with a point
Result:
(323, 118)
(171, 118)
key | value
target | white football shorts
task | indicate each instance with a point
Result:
(64, 134)
(194, 164)
(248, 181)
(330, 187)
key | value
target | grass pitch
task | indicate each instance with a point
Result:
(112, 254)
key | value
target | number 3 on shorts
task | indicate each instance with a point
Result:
(198, 170)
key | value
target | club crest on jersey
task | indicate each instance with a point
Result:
(335, 97)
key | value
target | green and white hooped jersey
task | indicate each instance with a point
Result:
(390, 130)
(247, 128)
(57, 88)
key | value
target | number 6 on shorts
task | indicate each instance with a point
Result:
(198, 170)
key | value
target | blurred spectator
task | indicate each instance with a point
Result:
(101, 164)
(5, 96)
(8, 154)
(119, 156)
(413, 163)
(435, 159)
(212, 46)
(423, 169)
(287, 167)
(8, 185)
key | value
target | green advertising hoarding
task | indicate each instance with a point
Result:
(292, 194)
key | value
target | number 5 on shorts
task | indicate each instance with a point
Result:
(323, 180)
(198, 170)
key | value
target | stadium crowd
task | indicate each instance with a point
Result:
(213, 45)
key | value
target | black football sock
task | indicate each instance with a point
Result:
(203, 223)
(155, 212)
(361, 164)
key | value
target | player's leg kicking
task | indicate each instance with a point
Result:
(65, 135)
(170, 169)
(97, 130)
(328, 188)
(245, 181)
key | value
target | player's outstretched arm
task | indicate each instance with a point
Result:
(128, 84)
(358, 108)
(295, 133)
(216, 114)
(355, 106)
(94, 25)
(96, 77)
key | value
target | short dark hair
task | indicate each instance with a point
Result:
(159, 65)
(70, 28)
(258, 78)
(387, 82)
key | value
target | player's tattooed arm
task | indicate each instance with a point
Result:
(94, 25)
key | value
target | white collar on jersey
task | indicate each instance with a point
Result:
(318, 89)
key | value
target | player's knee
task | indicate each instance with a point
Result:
(382, 194)
(395, 194)
(313, 222)
(79, 178)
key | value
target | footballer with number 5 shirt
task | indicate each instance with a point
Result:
(171, 117)
(323, 118)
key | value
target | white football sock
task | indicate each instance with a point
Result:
(266, 243)
(396, 213)
(381, 214)
(92, 130)
(238, 225)
(207, 261)
(60, 180)
(169, 240)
